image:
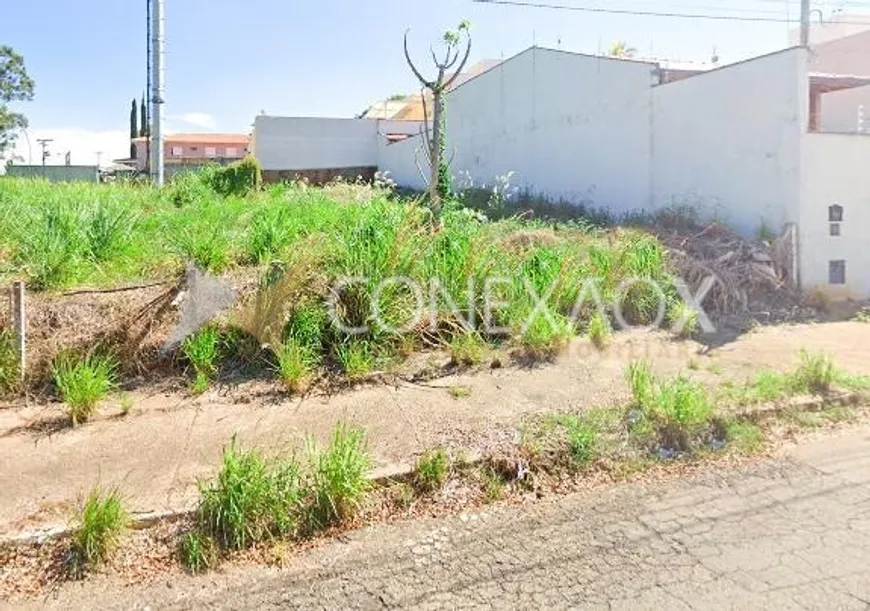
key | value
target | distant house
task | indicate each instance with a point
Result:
(410, 108)
(181, 150)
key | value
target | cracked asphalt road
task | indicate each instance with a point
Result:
(790, 533)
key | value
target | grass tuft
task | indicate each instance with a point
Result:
(9, 371)
(296, 365)
(432, 469)
(250, 500)
(683, 319)
(599, 329)
(83, 382)
(744, 437)
(339, 482)
(467, 348)
(101, 521)
(199, 552)
(202, 351)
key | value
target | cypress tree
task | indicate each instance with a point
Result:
(134, 128)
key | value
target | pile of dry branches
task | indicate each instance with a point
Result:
(745, 274)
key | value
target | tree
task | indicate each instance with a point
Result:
(15, 85)
(144, 128)
(439, 173)
(621, 49)
(134, 127)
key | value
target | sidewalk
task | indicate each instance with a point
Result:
(157, 453)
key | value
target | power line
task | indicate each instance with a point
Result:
(643, 13)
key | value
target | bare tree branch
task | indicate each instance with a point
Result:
(461, 66)
(420, 169)
(416, 72)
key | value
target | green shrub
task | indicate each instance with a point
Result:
(339, 480)
(460, 392)
(599, 329)
(83, 382)
(101, 521)
(432, 469)
(250, 500)
(9, 365)
(202, 351)
(199, 552)
(238, 178)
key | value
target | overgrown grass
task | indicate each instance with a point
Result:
(677, 411)
(202, 351)
(432, 470)
(295, 365)
(9, 367)
(599, 329)
(306, 239)
(100, 523)
(683, 319)
(815, 374)
(82, 382)
(250, 500)
(339, 477)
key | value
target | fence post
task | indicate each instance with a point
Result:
(19, 323)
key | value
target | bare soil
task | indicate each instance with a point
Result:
(158, 451)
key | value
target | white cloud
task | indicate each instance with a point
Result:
(202, 120)
(81, 144)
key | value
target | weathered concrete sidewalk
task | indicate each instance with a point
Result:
(792, 533)
(156, 453)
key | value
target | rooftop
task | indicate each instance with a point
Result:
(205, 138)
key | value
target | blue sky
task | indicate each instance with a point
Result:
(227, 60)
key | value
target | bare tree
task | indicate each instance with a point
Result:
(435, 144)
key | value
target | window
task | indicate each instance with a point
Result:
(837, 272)
(835, 229)
(177, 151)
(210, 151)
(835, 213)
(232, 151)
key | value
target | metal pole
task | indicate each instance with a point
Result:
(20, 325)
(158, 90)
(805, 23)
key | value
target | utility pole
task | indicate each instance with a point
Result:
(99, 156)
(43, 142)
(805, 23)
(158, 90)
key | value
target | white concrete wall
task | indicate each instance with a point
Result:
(839, 110)
(571, 127)
(401, 160)
(296, 143)
(293, 143)
(727, 141)
(835, 170)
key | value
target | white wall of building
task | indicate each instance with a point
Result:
(571, 127)
(840, 111)
(835, 170)
(297, 143)
(727, 141)
(401, 160)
